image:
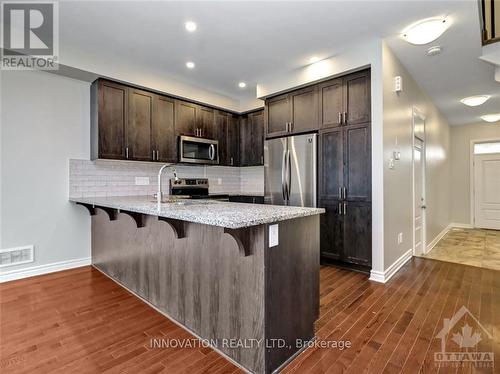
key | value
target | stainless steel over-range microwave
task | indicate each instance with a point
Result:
(198, 150)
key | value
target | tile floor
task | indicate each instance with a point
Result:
(475, 247)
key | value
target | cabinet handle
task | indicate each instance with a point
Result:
(340, 209)
(153, 154)
(291, 126)
(344, 190)
(126, 152)
(340, 118)
(232, 162)
(157, 155)
(262, 160)
(345, 209)
(345, 118)
(340, 193)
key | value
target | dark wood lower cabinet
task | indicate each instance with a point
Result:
(357, 232)
(331, 230)
(346, 233)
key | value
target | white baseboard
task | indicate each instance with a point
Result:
(461, 225)
(439, 236)
(6, 276)
(384, 276)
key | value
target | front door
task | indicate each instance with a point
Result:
(487, 190)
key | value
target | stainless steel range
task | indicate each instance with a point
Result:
(193, 188)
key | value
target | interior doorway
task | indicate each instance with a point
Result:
(419, 242)
(485, 178)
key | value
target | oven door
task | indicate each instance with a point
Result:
(198, 151)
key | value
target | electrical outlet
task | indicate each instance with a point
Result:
(400, 238)
(273, 235)
(142, 181)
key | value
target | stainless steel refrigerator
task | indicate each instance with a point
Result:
(291, 170)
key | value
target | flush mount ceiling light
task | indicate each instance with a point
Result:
(433, 51)
(242, 85)
(190, 26)
(491, 117)
(425, 31)
(190, 65)
(313, 59)
(475, 100)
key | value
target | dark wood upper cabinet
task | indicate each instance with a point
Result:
(139, 125)
(357, 173)
(357, 101)
(331, 164)
(330, 107)
(304, 107)
(221, 135)
(233, 141)
(205, 122)
(277, 115)
(252, 139)
(164, 139)
(109, 120)
(185, 118)
(295, 112)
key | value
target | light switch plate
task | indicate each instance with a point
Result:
(273, 235)
(141, 181)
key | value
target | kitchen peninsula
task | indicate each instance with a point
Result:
(226, 271)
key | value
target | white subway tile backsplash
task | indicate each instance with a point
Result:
(117, 178)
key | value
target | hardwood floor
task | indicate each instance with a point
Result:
(79, 321)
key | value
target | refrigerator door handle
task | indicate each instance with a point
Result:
(283, 173)
(289, 175)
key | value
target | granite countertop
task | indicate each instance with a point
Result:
(208, 212)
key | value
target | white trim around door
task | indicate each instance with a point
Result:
(471, 176)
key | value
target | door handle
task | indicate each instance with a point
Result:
(211, 152)
(289, 175)
(283, 173)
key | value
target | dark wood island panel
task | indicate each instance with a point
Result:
(204, 282)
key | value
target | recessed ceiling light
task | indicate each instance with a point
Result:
(242, 85)
(475, 100)
(313, 59)
(433, 51)
(190, 65)
(425, 31)
(190, 26)
(491, 117)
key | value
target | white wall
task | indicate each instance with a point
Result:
(365, 54)
(461, 137)
(398, 183)
(45, 121)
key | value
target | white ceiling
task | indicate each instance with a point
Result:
(249, 41)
